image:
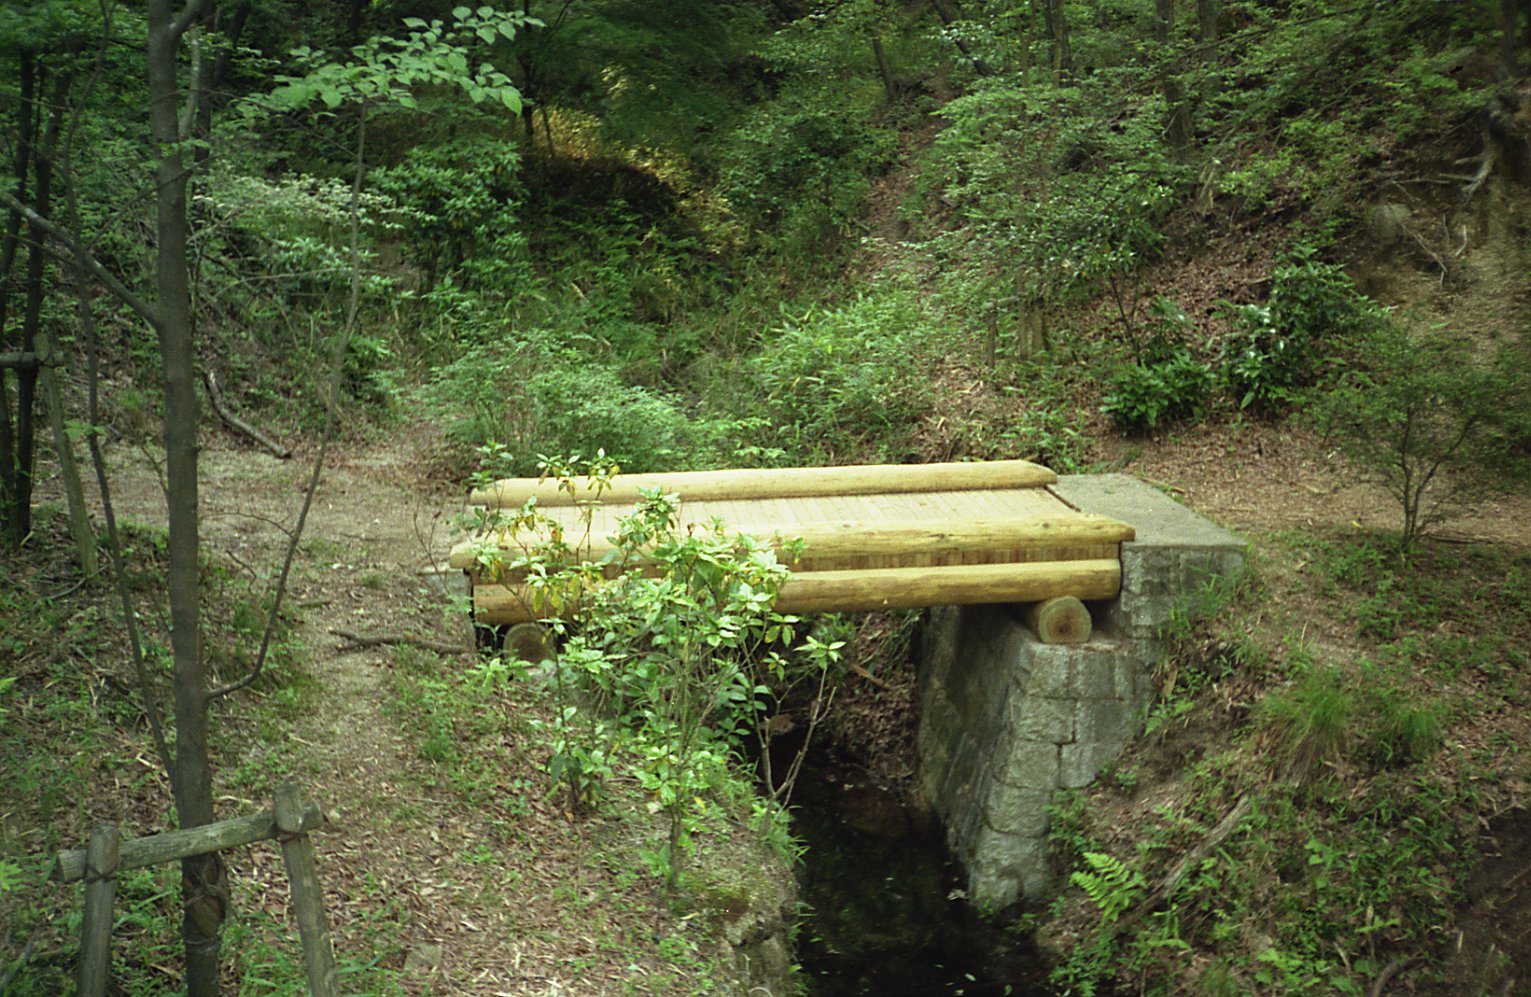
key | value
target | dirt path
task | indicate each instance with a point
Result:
(410, 870)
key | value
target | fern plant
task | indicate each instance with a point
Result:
(1110, 884)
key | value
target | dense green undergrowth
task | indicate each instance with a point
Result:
(479, 738)
(1330, 805)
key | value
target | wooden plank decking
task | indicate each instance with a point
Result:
(888, 536)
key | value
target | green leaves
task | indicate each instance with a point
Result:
(1438, 426)
(384, 70)
(1146, 395)
(1110, 884)
(676, 654)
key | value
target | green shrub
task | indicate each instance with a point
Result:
(1312, 719)
(675, 660)
(1313, 300)
(1058, 189)
(1049, 437)
(459, 204)
(1261, 364)
(845, 379)
(1407, 731)
(1146, 395)
(1435, 426)
(1272, 351)
(800, 165)
(533, 401)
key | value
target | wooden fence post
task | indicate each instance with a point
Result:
(307, 896)
(96, 928)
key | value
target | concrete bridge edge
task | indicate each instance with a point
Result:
(1006, 721)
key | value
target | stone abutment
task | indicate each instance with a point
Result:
(1008, 721)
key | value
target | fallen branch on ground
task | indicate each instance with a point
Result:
(863, 673)
(237, 424)
(360, 642)
(1385, 977)
(1160, 893)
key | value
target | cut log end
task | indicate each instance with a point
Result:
(529, 642)
(1064, 620)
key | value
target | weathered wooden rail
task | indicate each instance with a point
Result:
(288, 821)
(875, 537)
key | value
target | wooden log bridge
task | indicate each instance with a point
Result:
(875, 537)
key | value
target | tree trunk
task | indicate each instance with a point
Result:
(31, 324)
(528, 88)
(1207, 13)
(79, 519)
(1177, 118)
(1510, 12)
(74, 490)
(787, 9)
(949, 15)
(215, 69)
(7, 455)
(1060, 53)
(205, 891)
(884, 68)
(12, 441)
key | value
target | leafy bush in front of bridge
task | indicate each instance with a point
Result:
(668, 653)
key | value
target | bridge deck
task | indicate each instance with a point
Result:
(875, 537)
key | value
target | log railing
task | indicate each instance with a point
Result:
(288, 821)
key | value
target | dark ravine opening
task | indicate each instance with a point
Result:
(885, 913)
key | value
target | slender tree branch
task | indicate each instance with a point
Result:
(186, 18)
(118, 288)
(20, 964)
(357, 642)
(210, 380)
(77, 265)
(337, 368)
(950, 15)
(194, 91)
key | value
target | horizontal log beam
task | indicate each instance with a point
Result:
(959, 585)
(171, 846)
(828, 542)
(20, 360)
(885, 588)
(765, 483)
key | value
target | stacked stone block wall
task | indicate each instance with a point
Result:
(1008, 721)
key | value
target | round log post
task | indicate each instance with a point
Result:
(307, 896)
(1064, 620)
(96, 928)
